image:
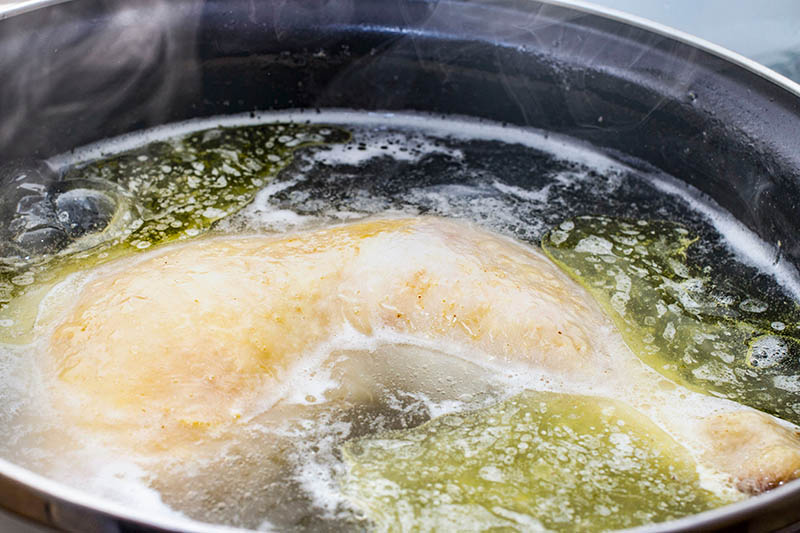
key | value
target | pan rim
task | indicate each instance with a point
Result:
(45, 488)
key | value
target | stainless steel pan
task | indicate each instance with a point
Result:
(74, 72)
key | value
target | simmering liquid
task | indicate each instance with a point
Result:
(395, 428)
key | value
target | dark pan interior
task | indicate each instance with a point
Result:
(85, 70)
(81, 71)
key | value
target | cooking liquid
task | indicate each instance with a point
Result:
(286, 470)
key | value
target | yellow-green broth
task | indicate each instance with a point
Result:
(441, 443)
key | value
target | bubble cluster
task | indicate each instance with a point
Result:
(556, 462)
(691, 327)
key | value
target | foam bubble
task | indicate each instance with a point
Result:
(767, 351)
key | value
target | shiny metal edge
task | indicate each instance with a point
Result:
(57, 492)
(722, 515)
(24, 6)
(681, 36)
(728, 515)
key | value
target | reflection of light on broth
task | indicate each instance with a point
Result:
(239, 428)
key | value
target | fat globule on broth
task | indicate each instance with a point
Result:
(344, 394)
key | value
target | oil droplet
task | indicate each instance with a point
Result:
(752, 305)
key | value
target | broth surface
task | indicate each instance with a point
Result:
(285, 470)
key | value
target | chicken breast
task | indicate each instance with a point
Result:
(170, 351)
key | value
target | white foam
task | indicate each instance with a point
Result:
(767, 351)
(539, 195)
(18, 375)
(318, 474)
(457, 127)
(787, 383)
(123, 482)
(262, 215)
(382, 144)
(748, 247)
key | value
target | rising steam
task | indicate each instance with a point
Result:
(102, 63)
